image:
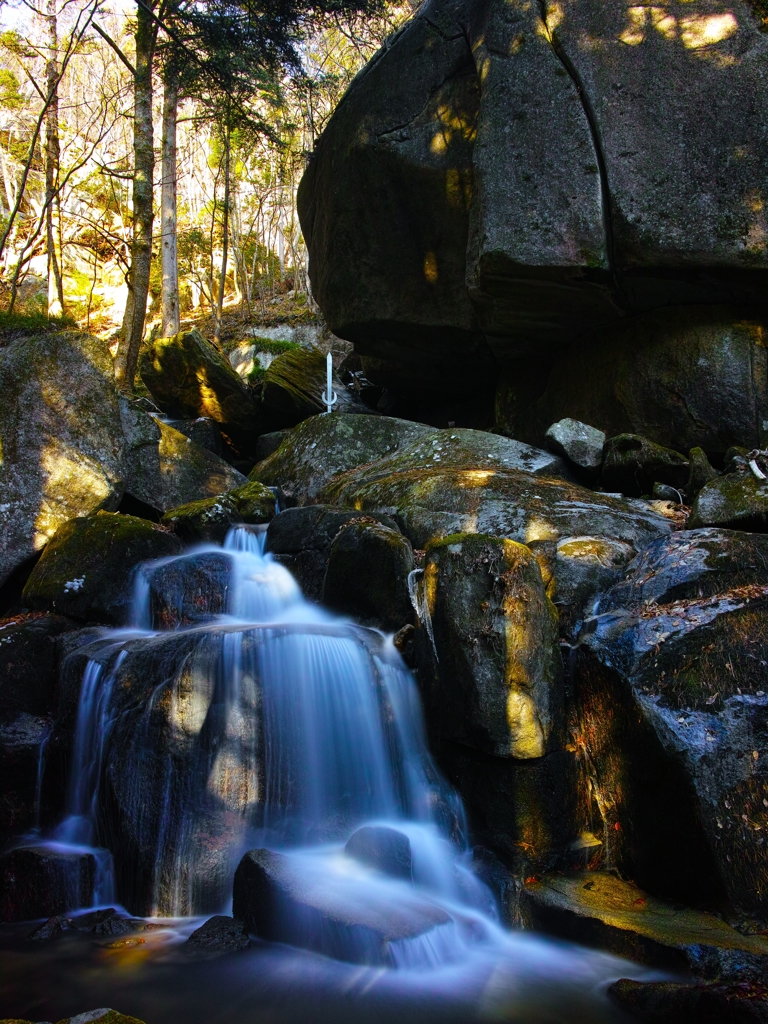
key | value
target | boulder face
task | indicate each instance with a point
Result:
(673, 720)
(605, 201)
(61, 439)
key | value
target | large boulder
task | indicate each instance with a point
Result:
(498, 672)
(737, 501)
(632, 465)
(188, 377)
(86, 571)
(293, 386)
(367, 575)
(323, 446)
(61, 439)
(605, 201)
(301, 539)
(164, 468)
(40, 881)
(673, 721)
(28, 662)
(283, 899)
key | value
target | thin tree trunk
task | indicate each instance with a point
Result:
(224, 247)
(168, 227)
(55, 286)
(144, 166)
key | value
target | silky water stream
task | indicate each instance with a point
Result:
(235, 715)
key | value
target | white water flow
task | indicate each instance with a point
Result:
(260, 720)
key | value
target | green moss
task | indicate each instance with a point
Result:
(211, 518)
(274, 346)
(13, 324)
(113, 1017)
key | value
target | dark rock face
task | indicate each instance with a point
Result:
(384, 849)
(268, 443)
(188, 377)
(21, 737)
(28, 662)
(293, 388)
(42, 882)
(367, 575)
(187, 591)
(301, 539)
(202, 431)
(632, 465)
(597, 207)
(61, 437)
(282, 900)
(87, 569)
(673, 720)
(668, 1002)
(498, 673)
(218, 935)
(683, 377)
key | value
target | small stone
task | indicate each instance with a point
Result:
(381, 848)
(53, 927)
(666, 493)
(219, 934)
(578, 442)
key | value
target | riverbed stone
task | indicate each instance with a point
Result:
(212, 518)
(301, 539)
(282, 900)
(632, 465)
(187, 591)
(670, 1002)
(188, 377)
(737, 501)
(673, 717)
(86, 571)
(367, 575)
(61, 437)
(324, 446)
(385, 849)
(581, 444)
(600, 909)
(164, 468)
(498, 671)
(218, 934)
(40, 882)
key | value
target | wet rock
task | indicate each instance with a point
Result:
(165, 469)
(430, 503)
(102, 1016)
(218, 935)
(599, 909)
(40, 881)
(324, 446)
(188, 377)
(501, 882)
(87, 569)
(367, 575)
(583, 567)
(268, 443)
(281, 899)
(21, 738)
(581, 444)
(683, 377)
(50, 929)
(669, 1002)
(186, 591)
(737, 501)
(202, 431)
(673, 720)
(632, 464)
(61, 437)
(211, 519)
(92, 919)
(382, 848)
(28, 662)
(498, 673)
(301, 539)
(701, 472)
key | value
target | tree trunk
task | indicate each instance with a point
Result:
(225, 240)
(144, 166)
(168, 212)
(55, 286)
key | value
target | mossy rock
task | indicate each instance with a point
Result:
(498, 669)
(293, 386)
(323, 447)
(212, 518)
(367, 575)
(86, 570)
(736, 501)
(632, 465)
(187, 376)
